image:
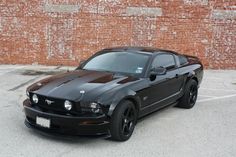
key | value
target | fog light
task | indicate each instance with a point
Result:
(35, 99)
(27, 94)
(95, 108)
(68, 105)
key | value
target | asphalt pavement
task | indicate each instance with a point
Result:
(207, 130)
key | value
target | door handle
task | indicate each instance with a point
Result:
(177, 75)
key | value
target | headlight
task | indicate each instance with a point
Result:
(95, 108)
(35, 99)
(91, 107)
(68, 105)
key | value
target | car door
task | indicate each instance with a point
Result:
(165, 88)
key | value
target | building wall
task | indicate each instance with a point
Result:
(55, 32)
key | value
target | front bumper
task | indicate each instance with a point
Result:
(66, 124)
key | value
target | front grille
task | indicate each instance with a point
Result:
(57, 106)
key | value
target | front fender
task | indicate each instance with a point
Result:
(118, 97)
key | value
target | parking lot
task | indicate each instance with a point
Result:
(207, 130)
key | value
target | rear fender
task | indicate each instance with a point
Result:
(190, 76)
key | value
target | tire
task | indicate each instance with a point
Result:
(189, 98)
(123, 121)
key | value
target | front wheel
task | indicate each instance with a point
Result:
(189, 98)
(123, 121)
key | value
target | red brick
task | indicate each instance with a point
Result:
(30, 34)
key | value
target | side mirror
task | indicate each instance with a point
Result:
(157, 71)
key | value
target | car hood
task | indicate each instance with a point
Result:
(79, 84)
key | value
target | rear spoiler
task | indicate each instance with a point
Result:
(192, 57)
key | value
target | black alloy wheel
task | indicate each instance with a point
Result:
(193, 95)
(188, 100)
(123, 121)
(128, 121)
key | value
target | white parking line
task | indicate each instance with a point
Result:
(218, 89)
(214, 78)
(208, 96)
(217, 98)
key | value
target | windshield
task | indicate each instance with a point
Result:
(121, 62)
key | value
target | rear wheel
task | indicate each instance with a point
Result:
(189, 98)
(123, 121)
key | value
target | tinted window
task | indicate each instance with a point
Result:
(123, 62)
(182, 60)
(164, 60)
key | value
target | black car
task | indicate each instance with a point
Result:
(107, 93)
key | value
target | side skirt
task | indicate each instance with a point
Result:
(151, 110)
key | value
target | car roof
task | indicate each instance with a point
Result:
(148, 50)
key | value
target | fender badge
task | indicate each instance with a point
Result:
(145, 98)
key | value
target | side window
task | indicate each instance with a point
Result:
(182, 60)
(164, 60)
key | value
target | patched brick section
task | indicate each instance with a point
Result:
(223, 49)
(143, 11)
(61, 8)
(55, 32)
(224, 14)
(60, 38)
(144, 31)
(196, 2)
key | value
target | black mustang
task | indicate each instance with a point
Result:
(108, 93)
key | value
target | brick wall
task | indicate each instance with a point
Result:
(64, 32)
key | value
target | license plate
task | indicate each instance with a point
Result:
(43, 122)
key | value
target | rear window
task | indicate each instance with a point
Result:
(182, 60)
